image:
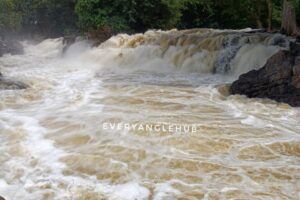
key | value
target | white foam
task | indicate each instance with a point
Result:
(47, 48)
(165, 191)
(131, 191)
(228, 189)
(253, 121)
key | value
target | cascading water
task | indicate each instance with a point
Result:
(54, 146)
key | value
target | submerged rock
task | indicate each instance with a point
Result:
(7, 84)
(278, 79)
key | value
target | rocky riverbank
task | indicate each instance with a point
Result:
(278, 79)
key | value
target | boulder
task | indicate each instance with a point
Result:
(278, 79)
(11, 47)
(7, 84)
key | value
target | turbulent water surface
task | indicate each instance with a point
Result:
(54, 144)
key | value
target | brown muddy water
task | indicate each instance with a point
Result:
(58, 142)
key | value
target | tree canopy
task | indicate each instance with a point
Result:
(56, 17)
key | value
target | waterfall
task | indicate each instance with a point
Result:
(194, 51)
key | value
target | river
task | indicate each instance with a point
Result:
(70, 134)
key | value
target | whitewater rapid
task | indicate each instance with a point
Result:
(53, 145)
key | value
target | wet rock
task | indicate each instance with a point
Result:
(68, 41)
(279, 79)
(296, 70)
(297, 60)
(10, 46)
(99, 36)
(7, 84)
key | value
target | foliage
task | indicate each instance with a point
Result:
(197, 13)
(47, 17)
(57, 17)
(125, 15)
(94, 14)
(228, 13)
(158, 14)
(10, 17)
(52, 17)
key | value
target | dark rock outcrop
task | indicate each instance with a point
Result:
(279, 79)
(7, 84)
(11, 47)
(68, 41)
(99, 36)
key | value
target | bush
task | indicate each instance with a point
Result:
(127, 15)
(10, 17)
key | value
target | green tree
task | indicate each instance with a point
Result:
(126, 15)
(198, 13)
(48, 17)
(157, 14)
(53, 18)
(10, 16)
(96, 14)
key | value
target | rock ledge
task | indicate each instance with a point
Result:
(7, 84)
(278, 79)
